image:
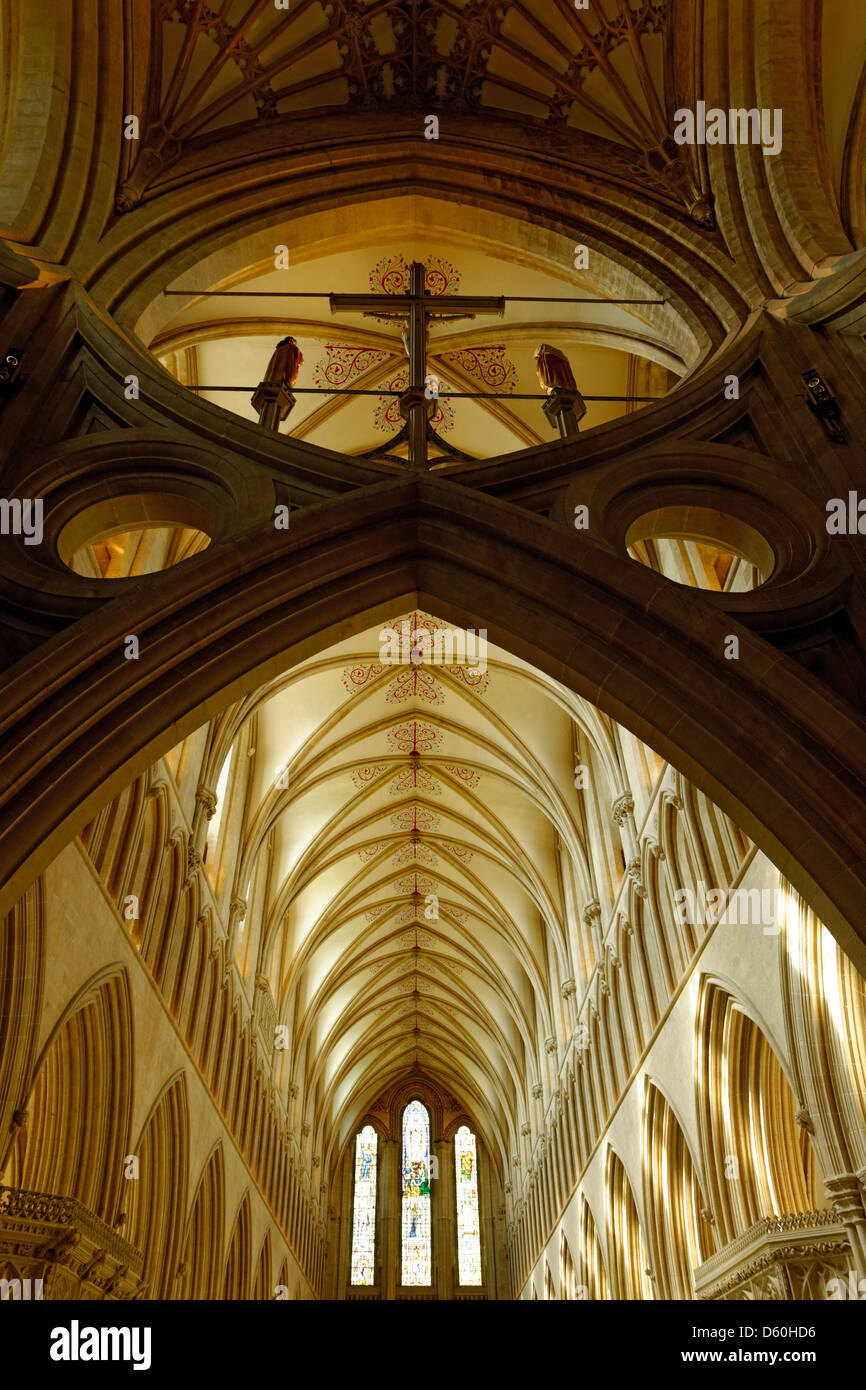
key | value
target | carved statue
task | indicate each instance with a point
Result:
(282, 370)
(554, 369)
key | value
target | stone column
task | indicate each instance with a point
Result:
(205, 809)
(388, 1202)
(622, 811)
(846, 1194)
(443, 1198)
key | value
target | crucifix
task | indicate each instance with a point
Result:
(415, 307)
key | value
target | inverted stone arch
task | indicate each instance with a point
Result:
(212, 215)
(779, 752)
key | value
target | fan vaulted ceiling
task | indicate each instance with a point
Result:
(595, 77)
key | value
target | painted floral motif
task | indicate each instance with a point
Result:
(413, 853)
(368, 772)
(415, 779)
(415, 818)
(465, 774)
(416, 938)
(370, 851)
(356, 677)
(391, 276)
(342, 364)
(415, 683)
(416, 883)
(489, 365)
(387, 417)
(375, 912)
(416, 736)
(476, 681)
(417, 982)
(459, 851)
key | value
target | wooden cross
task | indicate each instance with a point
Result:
(415, 306)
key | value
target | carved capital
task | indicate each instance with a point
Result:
(550, 1045)
(568, 988)
(633, 869)
(622, 809)
(592, 913)
(537, 1091)
(206, 798)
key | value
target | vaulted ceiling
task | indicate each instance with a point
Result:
(595, 76)
(615, 351)
(404, 842)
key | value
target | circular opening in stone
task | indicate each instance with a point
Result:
(124, 537)
(702, 548)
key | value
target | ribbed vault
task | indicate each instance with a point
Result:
(403, 852)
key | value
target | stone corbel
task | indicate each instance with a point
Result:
(592, 918)
(193, 863)
(804, 1120)
(633, 869)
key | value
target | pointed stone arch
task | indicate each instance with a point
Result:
(237, 1278)
(593, 1271)
(157, 1199)
(567, 1275)
(627, 1250)
(743, 1094)
(201, 1266)
(80, 1103)
(557, 603)
(263, 1282)
(680, 1236)
(21, 971)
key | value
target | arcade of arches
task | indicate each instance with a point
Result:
(409, 892)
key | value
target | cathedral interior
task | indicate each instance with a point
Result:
(433, 756)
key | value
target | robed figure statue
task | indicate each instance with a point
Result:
(272, 399)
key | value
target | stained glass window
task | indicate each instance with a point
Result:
(364, 1222)
(468, 1232)
(416, 1194)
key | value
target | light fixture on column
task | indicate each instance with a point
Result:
(823, 403)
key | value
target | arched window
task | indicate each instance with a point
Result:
(468, 1230)
(364, 1220)
(416, 1195)
(211, 853)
